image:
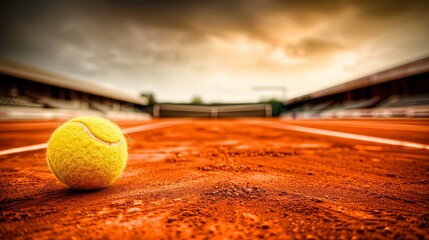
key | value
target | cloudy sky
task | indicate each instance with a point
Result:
(217, 49)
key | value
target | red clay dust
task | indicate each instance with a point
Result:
(227, 179)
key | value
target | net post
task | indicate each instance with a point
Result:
(268, 110)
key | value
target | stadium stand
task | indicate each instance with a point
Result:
(399, 101)
(30, 93)
(402, 91)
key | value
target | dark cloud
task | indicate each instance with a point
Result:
(194, 17)
(311, 47)
(153, 38)
(383, 9)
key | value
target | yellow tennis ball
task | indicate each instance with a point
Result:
(87, 153)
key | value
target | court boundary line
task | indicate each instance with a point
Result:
(331, 133)
(141, 128)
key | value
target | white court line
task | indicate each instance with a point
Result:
(125, 131)
(24, 149)
(340, 134)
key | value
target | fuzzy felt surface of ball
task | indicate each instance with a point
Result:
(87, 153)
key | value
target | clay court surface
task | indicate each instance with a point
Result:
(228, 179)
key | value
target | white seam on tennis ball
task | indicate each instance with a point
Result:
(88, 131)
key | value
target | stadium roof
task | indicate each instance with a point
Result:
(402, 71)
(37, 75)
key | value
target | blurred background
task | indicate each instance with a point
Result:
(139, 60)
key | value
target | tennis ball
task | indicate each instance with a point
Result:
(87, 153)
